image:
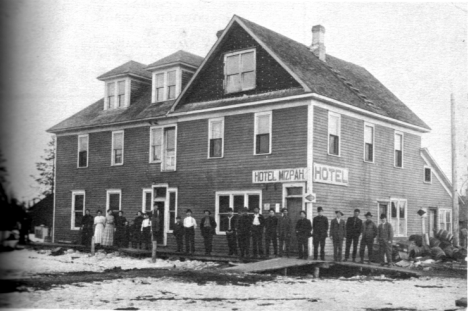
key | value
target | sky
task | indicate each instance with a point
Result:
(56, 49)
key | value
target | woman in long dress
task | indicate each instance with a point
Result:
(87, 228)
(99, 223)
(108, 235)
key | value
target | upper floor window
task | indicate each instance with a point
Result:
(83, 150)
(239, 71)
(368, 143)
(163, 147)
(115, 95)
(398, 150)
(165, 84)
(334, 133)
(159, 87)
(78, 209)
(262, 133)
(427, 175)
(215, 137)
(171, 84)
(117, 147)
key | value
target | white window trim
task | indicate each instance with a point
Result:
(389, 215)
(163, 142)
(444, 210)
(87, 151)
(113, 191)
(256, 115)
(330, 113)
(255, 70)
(116, 92)
(424, 175)
(178, 84)
(231, 195)
(74, 193)
(143, 200)
(123, 148)
(373, 142)
(222, 136)
(151, 141)
(168, 218)
(402, 149)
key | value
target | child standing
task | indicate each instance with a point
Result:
(190, 224)
(179, 234)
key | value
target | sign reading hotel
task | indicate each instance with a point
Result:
(330, 174)
(282, 175)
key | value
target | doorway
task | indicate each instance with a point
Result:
(293, 200)
(432, 221)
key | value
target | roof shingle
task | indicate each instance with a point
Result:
(130, 67)
(178, 57)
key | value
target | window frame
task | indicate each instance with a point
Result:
(113, 150)
(151, 144)
(143, 198)
(231, 195)
(372, 126)
(396, 230)
(163, 148)
(87, 151)
(113, 191)
(240, 52)
(74, 193)
(395, 150)
(334, 114)
(210, 121)
(444, 218)
(177, 84)
(126, 97)
(176, 210)
(256, 115)
(424, 175)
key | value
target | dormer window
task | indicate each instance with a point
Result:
(165, 84)
(116, 94)
(239, 71)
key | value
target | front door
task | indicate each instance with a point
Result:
(431, 221)
(293, 195)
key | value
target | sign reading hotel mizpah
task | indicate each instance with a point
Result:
(330, 174)
(281, 175)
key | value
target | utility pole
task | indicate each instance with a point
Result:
(455, 206)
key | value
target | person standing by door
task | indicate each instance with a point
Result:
(319, 233)
(146, 231)
(369, 232)
(136, 232)
(108, 235)
(244, 225)
(337, 233)
(353, 231)
(284, 232)
(385, 238)
(258, 223)
(229, 223)
(207, 228)
(179, 234)
(87, 229)
(190, 224)
(120, 229)
(99, 224)
(303, 227)
(271, 233)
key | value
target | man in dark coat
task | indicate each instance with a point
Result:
(353, 231)
(207, 228)
(337, 233)
(369, 232)
(243, 233)
(87, 228)
(303, 227)
(257, 224)
(271, 233)
(120, 229)
(319, 233)
(229, 224)
(178, 232)
(136, 236)
(284, 232)
(385, 238)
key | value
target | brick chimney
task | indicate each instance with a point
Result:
(318, 45)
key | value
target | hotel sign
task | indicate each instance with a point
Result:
(330, 175)
(281, 175)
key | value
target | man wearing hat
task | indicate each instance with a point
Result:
(271, 233)
(229, 224)
(385, 238)
(303, 227)
(190, 224)
(353, 231)
(207, 228)
(319, 233)
(257, 224)
(337, 233)
(369, 232)
(243, 233)
(284, 232)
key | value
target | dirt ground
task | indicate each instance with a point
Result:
(113, 282)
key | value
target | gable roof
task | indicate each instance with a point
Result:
(180, 56)
(335, 78)
(129, 68)
(427, 157)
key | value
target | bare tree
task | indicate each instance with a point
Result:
(46, 169)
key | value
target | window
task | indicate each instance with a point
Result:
(237, 200)
(110, 95)
(115, 95)
(445, 219)
(121, 94)
(397, 215)
(239, 71)
(263, 133)
(117, 147)
(398, 150)
(368, 143)
(159, 87)
(78, 209)
(146, 200)
(215, 137)
(114, 200)
(171, 84)
(334, 131)
(83, 150)
(427, 175)
(163, 147)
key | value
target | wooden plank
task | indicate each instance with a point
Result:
(273, 264)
